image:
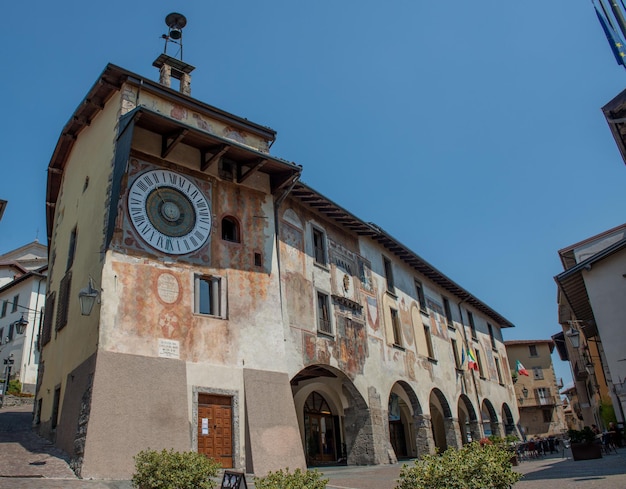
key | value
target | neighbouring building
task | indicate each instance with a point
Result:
(22, 296)
(238, 311)
(540, 406)
(591, 314)
(572, 409)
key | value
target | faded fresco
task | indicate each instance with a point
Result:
(351, 351)
(201, 122)
(491, 363)
(438, 325)
(365, 275)
(406, 323)
(373, 316)
(343, 268)
(316, 350)
(158, 306)
(292, 247)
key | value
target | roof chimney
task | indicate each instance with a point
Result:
(170, 66)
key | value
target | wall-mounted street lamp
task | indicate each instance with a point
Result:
(20, 325)
(525, 392)
(87, 298)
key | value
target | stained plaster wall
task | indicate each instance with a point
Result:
(187, 114)
(147, 306)
(605, 285)
(86, 208)
(382, 364)
(32, 293)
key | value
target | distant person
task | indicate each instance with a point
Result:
(595, 429)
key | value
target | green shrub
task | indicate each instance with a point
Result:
(471, 467)
(174, 470)
(309, 479)
(15, 387)
(586, 435)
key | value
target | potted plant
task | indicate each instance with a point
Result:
(584, 444)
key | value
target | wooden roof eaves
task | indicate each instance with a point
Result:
(377, 234)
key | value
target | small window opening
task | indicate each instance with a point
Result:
(230, 230)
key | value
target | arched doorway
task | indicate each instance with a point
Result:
(509, 422)
(321, 431)
(403, 409)
(491, 427)
(441, 421)
(468, 421)
(336, 398)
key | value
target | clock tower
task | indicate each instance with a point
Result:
(164, 207)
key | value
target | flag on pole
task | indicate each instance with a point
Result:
(615, 41)
(519, 368)
(472, 364)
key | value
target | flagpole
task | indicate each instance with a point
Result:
(619, 16)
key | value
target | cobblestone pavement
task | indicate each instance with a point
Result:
(30, 462)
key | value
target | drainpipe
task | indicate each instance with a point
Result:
(32, 338)
(479, 413)
(277, 203)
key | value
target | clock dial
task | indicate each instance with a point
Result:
(169, 212)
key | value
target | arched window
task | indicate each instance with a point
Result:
(230, 230)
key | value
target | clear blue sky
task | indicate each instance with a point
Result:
(470, 131)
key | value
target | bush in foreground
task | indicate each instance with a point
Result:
(309, 479)
(471, 467)
(173, 470)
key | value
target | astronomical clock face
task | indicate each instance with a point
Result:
(169, 212)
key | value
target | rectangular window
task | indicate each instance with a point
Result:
(532, 350)
(537, 373)
(455, 352)
(543, 395)
(491, 336)
(448, 312)
(16, 299)
(11, 331)
(479, 361)
(4, 308)
(323, 313)
(319, 246)
(64, 300)
(429, 342)
(54, 420)
(1, 335)
(388, 274)
(46, 333)
(395, 324)
(209, 296)
(71, 250)
(470, 318)
(547, 415)
(499, 371)
(420, 295)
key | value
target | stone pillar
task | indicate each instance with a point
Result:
(424, 440)
(475, 430)
(453, 432)
(165, 75)
(496, 429)
(185, 84)
(379, 417)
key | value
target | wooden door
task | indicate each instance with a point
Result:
(215, 437)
